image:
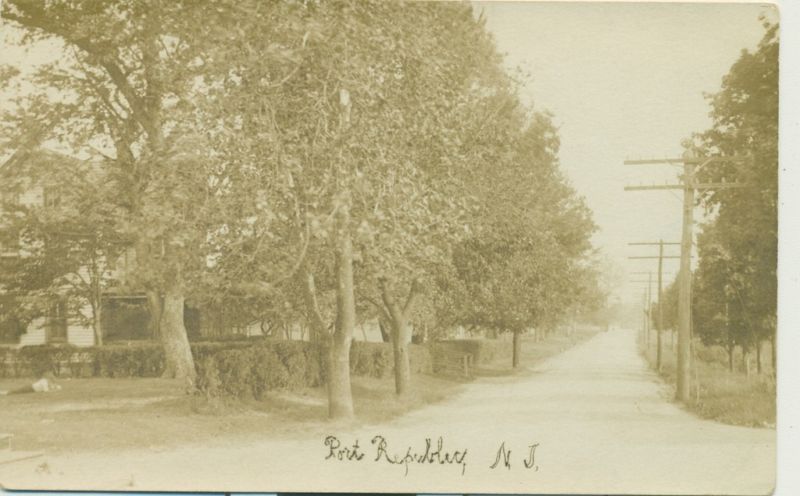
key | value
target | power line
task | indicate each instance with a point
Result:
(692, 164)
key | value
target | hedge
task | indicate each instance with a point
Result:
(230, 368)
(131, 360)
(483, 351)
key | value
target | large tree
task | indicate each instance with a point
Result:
(531, 237)
(126, 87)
(742, 236)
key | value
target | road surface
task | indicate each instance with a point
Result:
(600, 422)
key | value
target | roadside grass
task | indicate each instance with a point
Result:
(734, 398)
(111, 414)
(532, 352)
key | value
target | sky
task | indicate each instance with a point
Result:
(625, 80)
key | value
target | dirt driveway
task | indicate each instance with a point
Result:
(598, 420)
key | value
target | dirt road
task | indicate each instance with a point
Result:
(599, 420)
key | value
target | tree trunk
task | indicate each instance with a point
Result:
(516, 347)
(317, 327)
(340, 396)
(758, 357)
(155, 308)
(730, 358)
(386, 334)
(98, 322)
(401, 337)
(177, 353)
(745, 361)
(401, 334)
(774, 363)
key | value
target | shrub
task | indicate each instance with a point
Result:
(420, 357)
(140, 360)
(236, 368)
(208, 380)
(316, 358)
(483, 351)
(293, 358)
(269, 372)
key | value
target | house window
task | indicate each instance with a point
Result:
(56, 326)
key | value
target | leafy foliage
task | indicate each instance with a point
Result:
(736, 280)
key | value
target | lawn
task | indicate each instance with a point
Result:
(155, 414)
(734, 398)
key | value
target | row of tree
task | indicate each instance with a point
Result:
(324, 162)
(734, 293)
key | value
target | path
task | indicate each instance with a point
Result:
(602, 421)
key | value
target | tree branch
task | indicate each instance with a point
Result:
(413, 296)
(312, 305)
(380, 307)
(36, 18)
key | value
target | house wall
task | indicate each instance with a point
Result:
(35, 334)
(77, 334)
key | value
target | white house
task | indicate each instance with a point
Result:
(24, 189)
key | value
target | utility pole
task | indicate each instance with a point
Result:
(644, 321)
(660, 306)
(688, 183)
(649, 306)
(660, 243)
(647, 300)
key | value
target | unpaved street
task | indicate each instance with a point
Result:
(603, 423)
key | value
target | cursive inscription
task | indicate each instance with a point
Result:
(429, 454)
(503, 458)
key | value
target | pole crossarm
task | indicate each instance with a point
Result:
(654, 243)
(654, 186)
(681, 161)
(690, 186)
(689, 183)
(719, 185)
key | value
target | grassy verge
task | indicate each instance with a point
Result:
(532, 352)
(734, 398)
(112, 414)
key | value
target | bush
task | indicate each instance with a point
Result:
(141, 360)
(270, 373)
(251, 371)
(421, 360)
(208, 380)
(316, 365)
(483, 351)
(293, 358)
(236, 368)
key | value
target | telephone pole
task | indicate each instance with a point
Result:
(688, 183)
(660, 243)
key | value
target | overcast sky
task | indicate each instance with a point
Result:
(624, 80)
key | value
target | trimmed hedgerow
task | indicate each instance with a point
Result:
(116, 360)
(483, 351)
(241, 369)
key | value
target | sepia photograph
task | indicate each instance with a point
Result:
(389, 246)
